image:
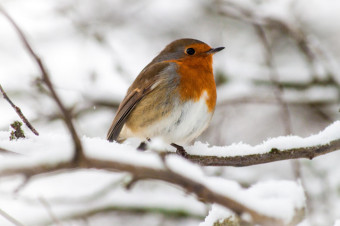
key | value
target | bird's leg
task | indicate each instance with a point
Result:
(180, 150)
(143, 146)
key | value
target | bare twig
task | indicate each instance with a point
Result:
(22, 184)
(278, 91)
(95, 195)
(285, 115)
(273, 101)
(49, 211)
(19, 112)
(238, 12)
(10, 218)
(5, 151)
(131, 183)
(45, 77)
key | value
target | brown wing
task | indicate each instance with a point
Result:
(143, 85)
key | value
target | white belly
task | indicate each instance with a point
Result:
(183, 125)
(194, 119)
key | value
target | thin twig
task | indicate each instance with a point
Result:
(22, 184)
(10, 218)
(278, 91)
(49, 211)
(45, 77)
(5, 151)
(19, 112)
(272, 101)
(238, 12)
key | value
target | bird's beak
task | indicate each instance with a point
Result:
(215, 50)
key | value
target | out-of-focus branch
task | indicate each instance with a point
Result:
(274, 79)
(10, 218)
(278, 91)
(49, 211)
(77, 112)
(19, 112)
(272, 101)
(85, 214)
(5, 151)
(190, 185)
(45, 77)
(234, 10)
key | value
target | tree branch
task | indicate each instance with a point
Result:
(272, 156)
(48, 208)
(45, 77)
(190, 185)
(5, 151)
(236, 11)
(19, 112)
(278, 90)
(10, 218)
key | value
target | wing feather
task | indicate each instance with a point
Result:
(147, 81)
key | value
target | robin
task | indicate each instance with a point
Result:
(173, 97)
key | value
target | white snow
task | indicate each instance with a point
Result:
(273, 198)
(44, 149)
(216, 214)
(330, 133)
(85, 69)
(102, 149)
(279, 199)
(286, 196)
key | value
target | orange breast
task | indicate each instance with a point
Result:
(196, 77)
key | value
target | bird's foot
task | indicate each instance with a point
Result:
(143, 145)
(180, 150)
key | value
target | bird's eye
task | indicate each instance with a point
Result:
(190, 51)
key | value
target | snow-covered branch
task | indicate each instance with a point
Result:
(100, 154)
(273, 155)
(265, 203)
(123, 158)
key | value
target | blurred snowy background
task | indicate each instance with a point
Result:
(279, 75)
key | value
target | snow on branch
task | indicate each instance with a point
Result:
(100, 154)
(276, 149)
(53, 153)
(173, 169)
